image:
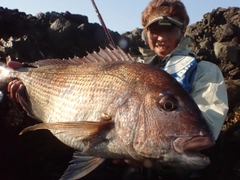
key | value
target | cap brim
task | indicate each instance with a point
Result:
(164, 21)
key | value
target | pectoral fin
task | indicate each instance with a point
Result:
(81, 166)
(84, 130)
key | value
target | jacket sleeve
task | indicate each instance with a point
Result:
(210, 94)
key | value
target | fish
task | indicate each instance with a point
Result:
(107, 105)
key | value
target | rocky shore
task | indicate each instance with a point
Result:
(27, 38)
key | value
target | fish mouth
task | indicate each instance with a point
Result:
(196, 143)
(189, 148)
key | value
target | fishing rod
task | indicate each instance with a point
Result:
(103, 25)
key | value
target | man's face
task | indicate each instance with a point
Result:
(163, 39)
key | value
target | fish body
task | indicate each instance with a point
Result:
(106, 105)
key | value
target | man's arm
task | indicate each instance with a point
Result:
(210, 94)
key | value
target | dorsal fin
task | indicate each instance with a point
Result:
(104, 55)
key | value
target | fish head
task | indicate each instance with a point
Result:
(171, 128)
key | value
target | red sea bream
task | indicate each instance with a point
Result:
(107, 105)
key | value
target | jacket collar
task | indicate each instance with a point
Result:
(181, 49)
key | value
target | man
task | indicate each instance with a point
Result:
(164, 23)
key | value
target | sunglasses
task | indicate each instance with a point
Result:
(156, 29)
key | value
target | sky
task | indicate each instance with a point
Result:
(118, 15)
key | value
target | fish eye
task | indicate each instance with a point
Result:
(168, 103)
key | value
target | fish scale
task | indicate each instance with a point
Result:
(56, 95)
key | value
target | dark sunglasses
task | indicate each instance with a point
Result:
(155, 29)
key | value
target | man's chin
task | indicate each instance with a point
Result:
(161, 54)
(161, 51)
